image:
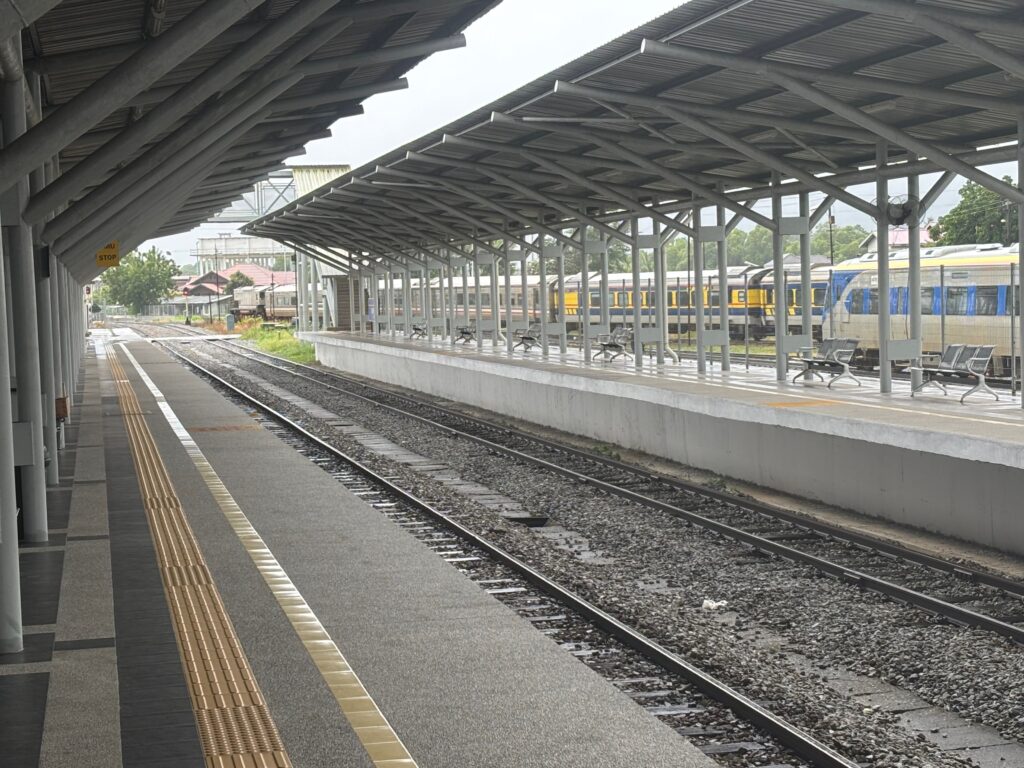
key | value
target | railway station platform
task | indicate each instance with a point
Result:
(211, 596)
(928, 463)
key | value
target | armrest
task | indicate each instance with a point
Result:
(844, 355)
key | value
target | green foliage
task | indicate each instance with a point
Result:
(189, 269)
(278, 341)
(141, 279)
(754, 246)
(981, 216)
(237, 280)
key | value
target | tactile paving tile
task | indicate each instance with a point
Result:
(235, 726)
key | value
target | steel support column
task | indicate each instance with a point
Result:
(638, 303)
(10, 572)
(1020, 243)
(26, 327)
(698, 290)
(914, 273)
(723, 289)
(806, 303)
(583, 305)
(884, 303)
(779, 272)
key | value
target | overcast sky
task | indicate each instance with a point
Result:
(514, 44)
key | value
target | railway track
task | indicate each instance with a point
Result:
(965, 596)
(728, 726)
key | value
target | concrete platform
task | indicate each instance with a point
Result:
(927, 462)
(460, 678)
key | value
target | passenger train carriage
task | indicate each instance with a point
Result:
(978, 307)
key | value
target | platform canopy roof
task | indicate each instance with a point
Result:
(706, 104)
(151, 115)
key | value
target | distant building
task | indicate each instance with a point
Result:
(214, 254)
(213, 283)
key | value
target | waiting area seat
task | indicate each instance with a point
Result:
(957, 363)
(466, 333)
(417, 331)
(834, 356)
(618, 343)
(528, 338)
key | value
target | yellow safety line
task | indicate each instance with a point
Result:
(234, 724)
(376, 734)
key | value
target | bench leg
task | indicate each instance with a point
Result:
(981, 386)
(930, 382)
(807, 371)
(846, 374)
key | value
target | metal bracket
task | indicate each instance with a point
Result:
(24, 443)
(649, 334)
(905, 349)
(795, 343)
(794, 225)
(715, 338)
(712, 234)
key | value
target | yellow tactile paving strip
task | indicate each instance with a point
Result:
(235, 727)
(372, 728)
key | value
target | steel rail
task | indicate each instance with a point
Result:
(786, 733)
(827, 530)
(950, 611)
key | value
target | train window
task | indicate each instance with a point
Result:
(986, 300)
(714, 299)
(621, 299)
(595, 298)
(818, 296)
(649, 299)
(956, 300)
(856, 302)
(739, 297)
(682, 299)
(485, 300)
(927, 301)
(872, 301)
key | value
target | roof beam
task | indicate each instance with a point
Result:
(625, 201)
(811, 74)
(689, 184)
(92, 105)
(15, 15)
(895, 135)
(185, 99)
(111, 55)
(540, 197)
(735, 115)
(775, 161)
(973, 20)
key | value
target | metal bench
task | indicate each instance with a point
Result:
(972, 361)
(618, 343)
(527, 338)
(467, 333)
(834, 356)
(932, 374)
(418, 331)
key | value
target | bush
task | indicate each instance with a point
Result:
(277, 341)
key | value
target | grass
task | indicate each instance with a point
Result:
(277, 341)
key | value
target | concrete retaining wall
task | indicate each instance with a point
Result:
(922, 479)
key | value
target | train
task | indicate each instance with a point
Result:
(979, 305)
(279, 302)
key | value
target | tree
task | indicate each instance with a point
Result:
(141, 279)
(237, 280)
(981, 216)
